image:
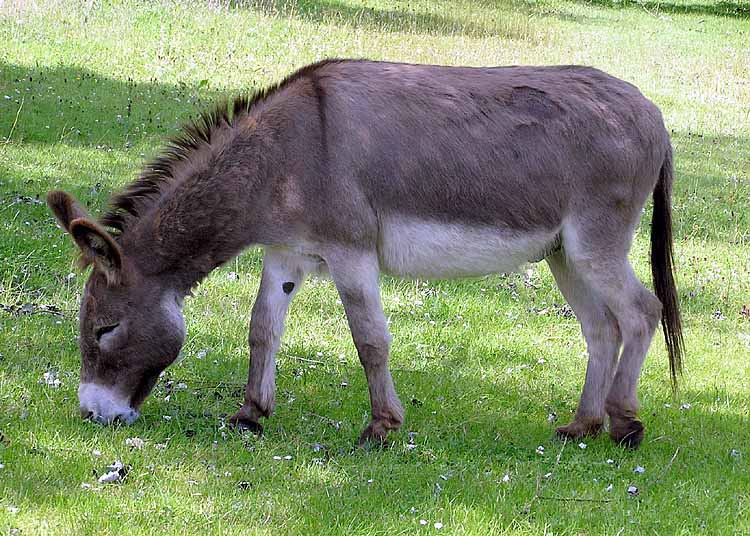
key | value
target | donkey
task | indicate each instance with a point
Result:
(358, 167)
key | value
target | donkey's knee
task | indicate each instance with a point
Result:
(373, 349)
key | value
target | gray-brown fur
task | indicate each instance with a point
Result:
(320, 168)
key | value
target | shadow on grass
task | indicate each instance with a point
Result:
(508, 23)
(75, 106)
(740, 10)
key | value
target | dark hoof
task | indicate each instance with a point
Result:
(579, 429)
(628, 435)
(246, 425)
(375, 435)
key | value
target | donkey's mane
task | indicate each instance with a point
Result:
(130, 204)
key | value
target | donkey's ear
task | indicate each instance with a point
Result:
(65, 208)
(99, 247)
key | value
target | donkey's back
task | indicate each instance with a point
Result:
(458, 171)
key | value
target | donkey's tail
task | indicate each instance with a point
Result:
(661, 267)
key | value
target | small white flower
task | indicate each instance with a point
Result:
(370, 480)
(609, 488)
(12, 509)
(582, 445)
(423, 522)
(734, 453)
(639, 469)
(540, 450)
(667, 405)
(232, 276)
(287, 457)
(610, 461)
(167, 417)
(135, 442)
(438, 525)
(50, 379)
(2, 466)
(181, 386)
(552, 417)
(96, 453)
(547, 475)
(160, 446)
(85, 485)
(506, 478)
(685, 407)
(277, 458)
(632, 491)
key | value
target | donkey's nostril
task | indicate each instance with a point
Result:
(86, 414)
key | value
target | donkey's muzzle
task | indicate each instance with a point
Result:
(104, 405)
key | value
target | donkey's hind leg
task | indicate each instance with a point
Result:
(603, 340)
(356, 277)
(604, 265)
(283, 274)
(638, 312)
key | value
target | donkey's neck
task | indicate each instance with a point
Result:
(205, 218)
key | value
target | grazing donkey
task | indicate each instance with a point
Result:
(361, 167)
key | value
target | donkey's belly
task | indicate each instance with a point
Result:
(418, 248)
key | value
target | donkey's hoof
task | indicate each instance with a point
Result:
(579, 428)
(242, 424)
(375, 435)
(628, 434)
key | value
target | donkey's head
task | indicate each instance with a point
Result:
(131, 324)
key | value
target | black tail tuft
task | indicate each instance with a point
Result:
(661, 268)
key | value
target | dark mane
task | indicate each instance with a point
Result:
(131, 203)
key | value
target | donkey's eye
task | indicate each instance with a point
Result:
(104, 330)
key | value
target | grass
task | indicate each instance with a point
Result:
(87, 92)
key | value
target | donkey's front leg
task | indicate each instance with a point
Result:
(356, 277)
(283, 274)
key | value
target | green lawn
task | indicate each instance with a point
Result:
(88, 91)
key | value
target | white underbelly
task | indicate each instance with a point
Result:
(419, 248)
